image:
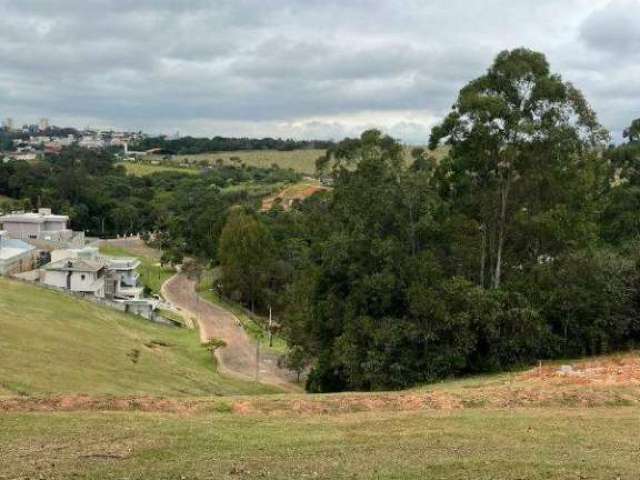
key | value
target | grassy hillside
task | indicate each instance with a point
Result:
(51, 343)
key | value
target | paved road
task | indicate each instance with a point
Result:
(238, 358)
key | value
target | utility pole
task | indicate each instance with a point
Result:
(258, 360)
(270, 331)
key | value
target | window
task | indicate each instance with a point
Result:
(83, 276)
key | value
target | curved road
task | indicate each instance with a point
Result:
(238, 358)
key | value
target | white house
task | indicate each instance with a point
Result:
(42, 225)
(122, 281)
(76, 275)
(16, 256)
(120, 275)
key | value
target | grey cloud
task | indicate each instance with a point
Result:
(293, 68)
(614, 29)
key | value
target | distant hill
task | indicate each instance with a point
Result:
(55, 344)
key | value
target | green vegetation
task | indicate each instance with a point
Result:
(517, 245)
(195, 145)
(55, 344)
(552, 443)
(141, 169)
(152, 274)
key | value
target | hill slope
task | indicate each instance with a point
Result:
(55, 344)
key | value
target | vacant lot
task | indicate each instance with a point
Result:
(553, 443)
(298, 191)
(53, 344)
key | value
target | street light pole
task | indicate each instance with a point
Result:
(270, 331)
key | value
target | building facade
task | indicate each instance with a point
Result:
(41, 226)
(76, 275)
(16, 256)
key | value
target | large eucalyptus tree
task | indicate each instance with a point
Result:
(518, 136)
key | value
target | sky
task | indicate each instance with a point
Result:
(297, 69)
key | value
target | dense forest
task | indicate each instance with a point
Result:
(521, 244)
(195, 145)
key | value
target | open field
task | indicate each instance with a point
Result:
(302, 161)
(140, 169)
(152, 275)
(53, 344)
(554, 443)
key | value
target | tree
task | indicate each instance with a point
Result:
(512, 131)
(246, 253)
(633, 131)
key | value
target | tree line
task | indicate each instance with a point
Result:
(194, 145)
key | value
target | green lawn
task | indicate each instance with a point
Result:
(476, 444)
(140, 169)
(52, 343)
(152, 275)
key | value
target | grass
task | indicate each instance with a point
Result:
(470, 444)
(51, 343)
(250, 322)
(301, 161)
(140, 169)
(152, 275)
(172, 316)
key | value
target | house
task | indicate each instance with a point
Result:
(122, 279)
(76, 275)
(42, 225)
(113, 281)
(16, 256)
(120, 275)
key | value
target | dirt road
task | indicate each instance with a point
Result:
(238, 358)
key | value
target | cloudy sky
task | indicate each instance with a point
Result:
(303, 69)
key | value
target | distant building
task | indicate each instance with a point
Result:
(41, 226)
(7, 124)
(43, 124)
(16, 256)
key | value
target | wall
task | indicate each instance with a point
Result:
(18, 264)
(21, 230)
(86, 282)
(55, 279)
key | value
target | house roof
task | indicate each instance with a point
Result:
(31, 217)
(10, 248)
(75, 265)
